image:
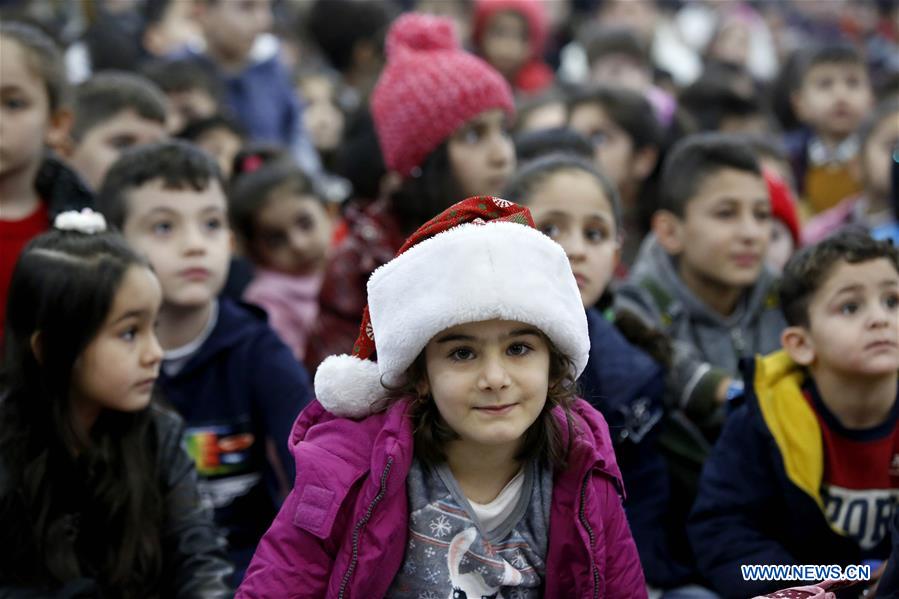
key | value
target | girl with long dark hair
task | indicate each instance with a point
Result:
(97, 497)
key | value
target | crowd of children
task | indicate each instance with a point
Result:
(465, 298)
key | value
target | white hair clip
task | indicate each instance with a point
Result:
(87, 221)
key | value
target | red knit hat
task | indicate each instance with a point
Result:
(429, 88)
(480, 259)
(783, 204)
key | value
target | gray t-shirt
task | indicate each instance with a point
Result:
(450, 554)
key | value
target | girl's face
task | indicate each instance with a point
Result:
(24, 109)
(489, 380)
(506, 45)
(223, 144)
(877, 156)
(322, 118)
(293, 233)
(118, 368)
(781, 247)
(613, 149)
(571, 208)
(481, 154)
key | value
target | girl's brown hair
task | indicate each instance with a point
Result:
(543, 440)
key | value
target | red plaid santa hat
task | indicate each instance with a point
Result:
(481, 259)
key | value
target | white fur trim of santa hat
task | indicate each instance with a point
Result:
(470, 273)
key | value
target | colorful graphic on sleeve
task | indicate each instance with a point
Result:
(223, 454)
(220, 449)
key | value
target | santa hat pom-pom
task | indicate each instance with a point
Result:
(348, 386)
(421, 33)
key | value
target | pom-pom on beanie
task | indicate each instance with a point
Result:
(481, 259)
(428, 89)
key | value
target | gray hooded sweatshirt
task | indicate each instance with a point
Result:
(707, 345)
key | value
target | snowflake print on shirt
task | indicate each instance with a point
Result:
(440, 527)
(447, 553)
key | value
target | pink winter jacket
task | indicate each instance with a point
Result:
(341, 532)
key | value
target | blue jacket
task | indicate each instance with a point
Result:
(760, 496)
(627, 386)
(239, 396)
(263, 99)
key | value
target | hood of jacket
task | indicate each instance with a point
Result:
(790, 420)
(321, 451)
(237, 322)
(654, 263)
(61, 187)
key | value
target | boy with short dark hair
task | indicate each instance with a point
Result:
(237, 385)
(872, 209)
(724, 99)
(805, 472)
(193, 93)
(111, 112)
(700, 276)
(831, 95)
(218, 135)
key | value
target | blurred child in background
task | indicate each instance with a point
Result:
(872, 207)
(511, 36)
(236, 384)
(34, 187)
(285, 229)
(830, 95)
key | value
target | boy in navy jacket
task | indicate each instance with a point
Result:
(237, 385)
(807, 471)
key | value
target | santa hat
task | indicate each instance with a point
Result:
(783, 205)
(481, 259)
(429, 88)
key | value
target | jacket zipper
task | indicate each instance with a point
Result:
(357, 530)
(586, 525)
(738, 341)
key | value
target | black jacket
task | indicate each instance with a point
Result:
(194, 563)
(61, 187)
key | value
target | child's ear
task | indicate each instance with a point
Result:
(644, 160)
(423, 387)
(616, 258)
(798, 344)
(390, 182)
(37, 347)
(58, 137)
(669, 231)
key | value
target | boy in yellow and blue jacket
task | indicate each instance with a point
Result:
(807, 470)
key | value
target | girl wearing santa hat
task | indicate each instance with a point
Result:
(460, 463)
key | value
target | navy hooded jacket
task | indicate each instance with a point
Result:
(239, 395)
(760, 498)
(627, 386)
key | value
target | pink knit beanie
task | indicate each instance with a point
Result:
(428, 89)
